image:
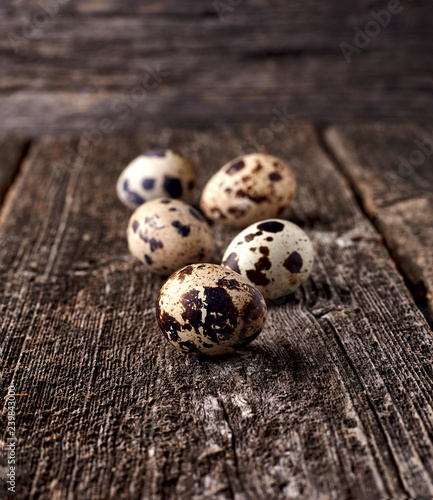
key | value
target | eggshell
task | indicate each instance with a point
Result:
(275, 255)
(209, 309)
(156, 174)
(248, 189)
(167, 234)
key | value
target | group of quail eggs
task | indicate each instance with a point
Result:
(205, 308)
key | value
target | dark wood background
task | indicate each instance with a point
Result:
(334, 399)
(68, 74)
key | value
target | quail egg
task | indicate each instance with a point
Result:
(156, 174)
(275, 255)
(209, 309)
(248, 189)
(167, 234)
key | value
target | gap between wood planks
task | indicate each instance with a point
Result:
(11, 170)
(370, 207)
(418, 290)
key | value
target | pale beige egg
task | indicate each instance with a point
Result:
(155, 174)
(167, 234)
(248, 189)
(209, 309)
(275, 255)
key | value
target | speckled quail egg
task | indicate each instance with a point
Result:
(275, 255)
(209, 309)
(167, 234)
(156, 174)
(248, 189)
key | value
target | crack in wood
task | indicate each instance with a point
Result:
(13, 152)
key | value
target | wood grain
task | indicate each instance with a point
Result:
(71, 72)
(391, 169)
(333, 400)
(12, 149)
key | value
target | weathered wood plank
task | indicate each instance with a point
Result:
(292, 86)
(12, 149)
(391, 168)
(71, 72)
(332, 401)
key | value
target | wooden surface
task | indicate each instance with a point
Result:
(12, 150)
(87, 63)
(333, 400)
(391, 170)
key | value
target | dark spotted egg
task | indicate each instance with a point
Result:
(248, 189)
(275, 255)
(155, 174)
(209, 309)
(167, 234)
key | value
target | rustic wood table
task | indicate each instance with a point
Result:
(333, 400)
